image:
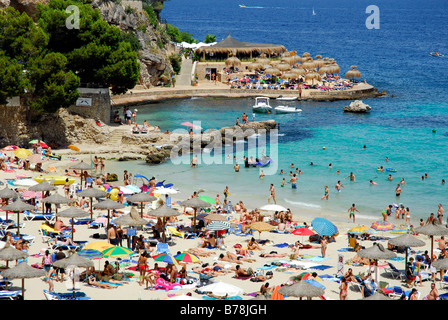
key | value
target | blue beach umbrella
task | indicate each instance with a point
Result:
(324, 227)
(90, 254)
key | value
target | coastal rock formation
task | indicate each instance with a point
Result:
(28, 6)
(357, 106)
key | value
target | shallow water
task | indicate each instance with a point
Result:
(400, 126)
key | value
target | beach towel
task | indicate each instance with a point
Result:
(318, 259)
(228, 298)
(345, 249)
(267, 267)
(242, 277)
(397, 259)
(330, 278)
(320, 267)
(281, 245)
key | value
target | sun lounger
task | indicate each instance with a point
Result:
(394, 272)
(30, 216)
(10, 295)
(78, 246)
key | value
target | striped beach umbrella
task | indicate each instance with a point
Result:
(167, 258)
(187, 257)
(382, 225)
(360, 230)
(117, 251)
(217, 226)
(400, 229)
(90, 254)
(324, 227)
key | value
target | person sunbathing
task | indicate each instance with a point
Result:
(253, 245)
(240, 272)
(199, 252)
(92, 281)
(273, 254)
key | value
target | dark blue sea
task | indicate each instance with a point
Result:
(409, 125)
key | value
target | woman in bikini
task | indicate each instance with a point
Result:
(142, 266)
(326, 193)
(343, 289)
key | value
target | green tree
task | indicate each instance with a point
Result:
(209, 38)
(11, 78)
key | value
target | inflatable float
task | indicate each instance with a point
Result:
(58, 180)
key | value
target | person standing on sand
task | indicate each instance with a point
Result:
(323, 246)
(351, 212)
(95, 163)
(272, 195)
(102, 169)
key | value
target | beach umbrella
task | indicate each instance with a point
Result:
(312, 76)
(283, 66)
(303, 232)
(7, 193)
(260, 227)
(298, 71)
(141, 197)
(73, 260)
(255, 66)
(406, 241)
(73, 212)
(222, 289)
(17, 207)
(324, 227)
(301, 289)
(131, 219)
(441, 264)
(432, 230)
(215, 217)
(23, 271)
(289, 75)
(309, 65)
(217, 226)
(167, 258)
(359, 230)
(162, 190)
(164, 211)
(187, 257)
(98, 245)
(56, 199)
(400, 229)
(22, 153)
(325, 69)
(91, 193)
(272, 71)
(195, 203)
(38, 142)
(9, 253)
(35, 158)
(73, 147)
(81, 166)
(43, 186)
(334, 67)
(376, 252)
(353, 73)
(233, 62)
(90, 254)
(117, 251)
(10, 148)
(207, 199)
(273, 207)
(382, 225)
(108, 205)
(263, 59)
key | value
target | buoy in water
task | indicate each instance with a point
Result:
(323, 148)
(433, 130)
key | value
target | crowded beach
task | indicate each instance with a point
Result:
(82, 233)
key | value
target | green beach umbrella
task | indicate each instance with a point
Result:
(117, 251)
(207, 199)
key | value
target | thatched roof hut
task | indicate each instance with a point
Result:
(230, 46)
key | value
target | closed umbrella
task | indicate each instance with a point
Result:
(91, 193)
(73, 260)
(301, 289)
(376, 252)
(432, 230)
(23, 271)
(17, 207)
(141, 197)
(108, 204)
(195, 203)
(406, 241)
(324, 227)
(73, 212)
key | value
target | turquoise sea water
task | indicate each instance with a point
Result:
(394, 58)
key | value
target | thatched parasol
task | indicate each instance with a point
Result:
(298, 71)
(81, 166)
(441, 264)
(312, 76)
(406, 240)
(73, 260)
(306, 54)
(23, 271)
(91, 193)
(255, 66)
(432, 230)
(283, 66)
(377, 296)
(353, 73)
(141, 197)
(56, 199)
(272, 71)
(43, 186)
(7, 193)
(73, 212)
(334, 67)
(18, 206)
(376, 252)
(195, 203)
(131, 219)
(260, 227)
(164, 211)
(233, 62)
(310, 65)
(301, 289)
(325, 69)
(262, 59)
(108, 205)
(9, 253)
(319, 63)
(289, 75)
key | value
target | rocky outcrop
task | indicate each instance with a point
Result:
(28, 6)
(357, 106)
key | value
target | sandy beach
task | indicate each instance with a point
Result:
(131, 290)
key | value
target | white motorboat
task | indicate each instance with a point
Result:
(286, 109)
(282, 98)
(435, 54)
(262, 105)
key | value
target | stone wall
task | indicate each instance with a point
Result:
(100, 104)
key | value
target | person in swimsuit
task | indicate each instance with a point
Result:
(338, 186)
(433, 294)
(397, 190)
(326, 193)
(272, 195)
(408, 216)
(283, 183)
(142, 266)
(351, 212)
(440, 213)
(343, 289)
(293, 181)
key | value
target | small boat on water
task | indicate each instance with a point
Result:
(435, 54)
(286, 109)
(282, 98)
(262, 105)
(242, 6)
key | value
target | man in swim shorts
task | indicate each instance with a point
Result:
(351, 212)
(293, 181)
